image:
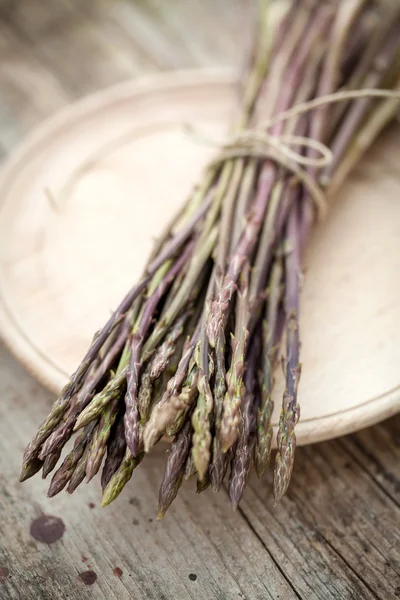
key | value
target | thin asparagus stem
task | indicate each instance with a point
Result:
(113, 389)
(115, 451)
(203, 484)
(290, 409)
(272, 331)
(121, 477)
(50, 462)
(167, 348)
(174, 469)
(190, 469)
(201, 441)
(100, 439)
(68, 468)
(219, 464)
(241, 462)
(229, 430)
(175, 410)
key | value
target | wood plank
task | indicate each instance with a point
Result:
(126, 39)
(180, 32)
(75, 51)
(28, 91)
(377, 450)
(335, 534)
(198, 537)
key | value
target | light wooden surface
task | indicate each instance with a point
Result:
(88, 175)
(335, 535)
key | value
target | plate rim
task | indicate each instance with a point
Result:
(308, 431)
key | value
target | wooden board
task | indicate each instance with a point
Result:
(84, 197)
(333, 537)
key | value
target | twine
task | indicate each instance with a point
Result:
(259, 143)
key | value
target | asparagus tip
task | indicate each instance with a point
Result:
(29, 469)
(80, 422)
(234, 504)
(161, 514)
(107, 498)
(24, 475)
(52, 492)
(283, 470)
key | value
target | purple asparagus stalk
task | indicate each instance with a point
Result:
(272, 332)
(100, 439)
(50, 462)
(241, 461)
(247, 242)
(290, 409)
(64, 474)
(174, 469)
(115, 451)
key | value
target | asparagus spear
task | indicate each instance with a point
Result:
(121, 477)
(116, 448)
(167, 348)
(100, 439)
(290, 409)
(67, 470)
(220, 460)
(50, 462)
(174, 469)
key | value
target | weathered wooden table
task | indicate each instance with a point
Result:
(336, 533)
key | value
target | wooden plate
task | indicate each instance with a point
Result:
(82, 199)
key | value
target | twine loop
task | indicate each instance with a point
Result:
(258, 142)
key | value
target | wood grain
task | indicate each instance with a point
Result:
(335, 536)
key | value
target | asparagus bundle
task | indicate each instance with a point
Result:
(191, 350)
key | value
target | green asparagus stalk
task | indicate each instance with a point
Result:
(100, 439)
(121, 477)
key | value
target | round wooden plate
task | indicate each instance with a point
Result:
(82, 199)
